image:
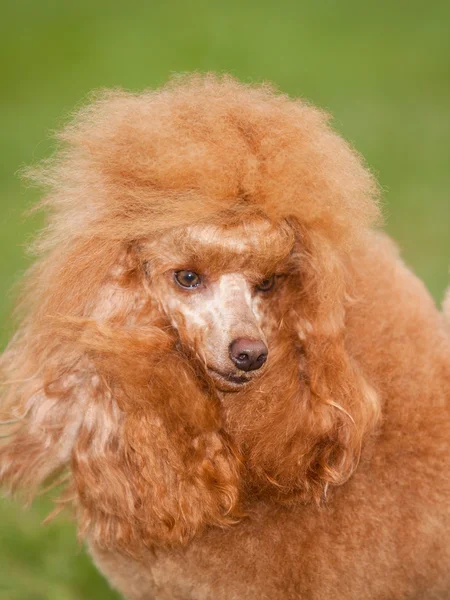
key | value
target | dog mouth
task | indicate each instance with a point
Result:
(227, 382)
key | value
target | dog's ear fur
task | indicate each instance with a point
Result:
(108, 399)
(299, 441)
(344, 406)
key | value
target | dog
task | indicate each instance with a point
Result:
(242, 390)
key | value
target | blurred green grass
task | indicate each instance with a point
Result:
(381, 68)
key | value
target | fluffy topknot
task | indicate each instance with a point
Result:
(134, 163)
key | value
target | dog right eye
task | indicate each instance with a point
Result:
(187, 279)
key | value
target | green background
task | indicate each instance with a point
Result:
(381, 68)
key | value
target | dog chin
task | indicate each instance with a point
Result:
(227, 382)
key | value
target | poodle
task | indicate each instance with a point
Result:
(223, 364)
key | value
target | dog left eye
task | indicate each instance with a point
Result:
(187, 279)
(267, 284)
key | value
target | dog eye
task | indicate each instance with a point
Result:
(267, 284)
(187, 279)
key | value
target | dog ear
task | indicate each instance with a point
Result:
(115, 405)
(303, 429)
(45, 378)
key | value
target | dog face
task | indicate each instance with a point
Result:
(218, 287)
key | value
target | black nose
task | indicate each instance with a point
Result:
(248, 355)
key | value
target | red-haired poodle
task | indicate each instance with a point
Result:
(244, 389)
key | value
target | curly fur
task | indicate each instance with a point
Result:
(107, 380)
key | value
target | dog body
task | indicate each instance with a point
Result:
(246, 388)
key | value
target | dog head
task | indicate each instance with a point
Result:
(184, 330)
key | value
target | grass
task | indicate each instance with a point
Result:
(382, 69)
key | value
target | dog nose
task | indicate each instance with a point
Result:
(248, 355)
